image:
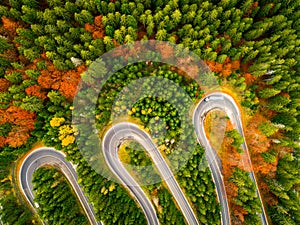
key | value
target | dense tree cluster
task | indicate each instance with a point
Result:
(169, 213)
(107, 196)
(194, 178)
(51, 186)
(246, 197)
(14, 213)
(252, 46)
(238, 140)
(240, 188)
(284, 188)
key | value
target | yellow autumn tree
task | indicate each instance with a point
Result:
(65, 131)
(56, 121)
(66, 135)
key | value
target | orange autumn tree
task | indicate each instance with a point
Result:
(249, 78)
(70, 81)
(64, 81)
(17, 137)
(22, 124)
(9, 30)
(226, 68)
(35, 90)
(4, 84)
(2, 141)
(10, 25)
(230, 156)
(232, 159)
(50, 77)
(239, 212)
(258, 143)
(97, 29)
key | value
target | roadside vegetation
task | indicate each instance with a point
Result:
(215, 125)
(141, 167)
(241, 190)
(14, 213)
(251, 46)
(194, 178)
(57, 201)
(246, 201)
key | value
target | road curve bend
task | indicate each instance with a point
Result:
(110, 147)
(128, 131)
(224, 102)
(49, 156)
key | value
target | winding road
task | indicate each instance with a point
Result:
(49, 156)
(129, 131)
(110, 145)
(213, 160)
(224, 102)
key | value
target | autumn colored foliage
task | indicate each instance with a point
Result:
(10, 25)
(226, 69)
(249, 78)
(64, 81)
(35, 90)
(17, 137)
(231, 159)
(248, 54)
(258, 143)
(229, 155)
(254, 5)
(22, 124)
(4, 84)
(2, 141)
(97, 29)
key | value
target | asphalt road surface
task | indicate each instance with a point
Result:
(48, 156)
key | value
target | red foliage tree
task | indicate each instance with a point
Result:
(69, 84)
(262, 167)
(50, 78)
(89, 28)
(259, 143)
(249, 78)
(20, 117)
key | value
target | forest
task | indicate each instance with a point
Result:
(252, 48)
